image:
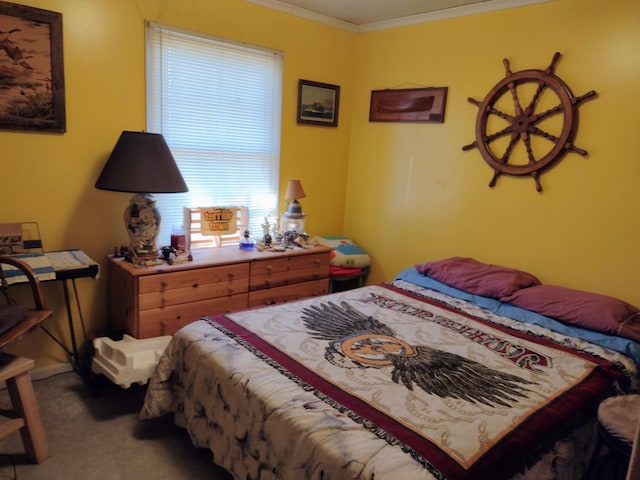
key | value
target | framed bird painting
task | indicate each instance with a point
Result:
(31, 69)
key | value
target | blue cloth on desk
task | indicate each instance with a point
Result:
(60, 265)
(40, 264)
(75, 261)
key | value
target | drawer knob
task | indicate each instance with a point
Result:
(195, 285)
(316, 261)
(269, 268)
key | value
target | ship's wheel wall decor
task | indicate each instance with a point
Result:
(541, 116)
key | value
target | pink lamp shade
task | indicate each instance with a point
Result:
(294, 190)
(293, 218)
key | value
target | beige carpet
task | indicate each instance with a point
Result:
(94, 433)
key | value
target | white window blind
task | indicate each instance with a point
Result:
(218, 105)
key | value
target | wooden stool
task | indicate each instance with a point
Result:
(24, 414)
(618, 423)
(339, 283)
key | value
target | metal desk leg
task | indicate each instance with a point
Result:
(72, 331)
(73, 353)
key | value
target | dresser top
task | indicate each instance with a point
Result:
(211, 257)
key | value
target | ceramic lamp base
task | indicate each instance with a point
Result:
(142, 220)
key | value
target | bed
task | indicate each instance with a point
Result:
(438, 374)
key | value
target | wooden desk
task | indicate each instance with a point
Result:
(65, 266)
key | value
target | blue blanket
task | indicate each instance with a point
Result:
(619, 344)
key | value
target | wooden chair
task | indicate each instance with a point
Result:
(23, 414)
(33, 317)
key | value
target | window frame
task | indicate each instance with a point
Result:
(261, 205)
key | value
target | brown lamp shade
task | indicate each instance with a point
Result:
(141, 162)
(294, 190)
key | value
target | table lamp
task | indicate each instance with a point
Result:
(141, 163)
(293, 218)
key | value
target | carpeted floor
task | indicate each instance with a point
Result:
(94, 432)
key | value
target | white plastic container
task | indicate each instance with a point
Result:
(129, 360)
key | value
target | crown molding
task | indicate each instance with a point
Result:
(488, 6)
(483, 7)
(308, 14)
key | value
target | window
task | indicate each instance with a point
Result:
(218, 105)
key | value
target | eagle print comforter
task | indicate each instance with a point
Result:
(377, 383)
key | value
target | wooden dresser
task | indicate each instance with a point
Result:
(154, 301)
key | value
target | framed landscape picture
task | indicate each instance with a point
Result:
(31, 67)
(318, 103)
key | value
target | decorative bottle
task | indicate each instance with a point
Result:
(178, 238)
(246, 242)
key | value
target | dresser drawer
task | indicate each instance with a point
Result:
(288, 293)
(191, 285)
(168, 320)
(193, 278)
(193, 293)
(283, 271)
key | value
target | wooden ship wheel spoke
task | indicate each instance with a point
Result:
(531, 142)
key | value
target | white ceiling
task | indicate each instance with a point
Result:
(364, 15)
(361, 12)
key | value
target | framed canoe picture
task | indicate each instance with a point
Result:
(408, 105)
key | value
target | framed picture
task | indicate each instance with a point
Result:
(408, 105)
(10, 238)
(32, 80)
(318, 103)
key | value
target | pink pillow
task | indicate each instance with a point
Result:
(478, 278)
(590, 310)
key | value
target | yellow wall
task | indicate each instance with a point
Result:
(413, 194)
(51, 176)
